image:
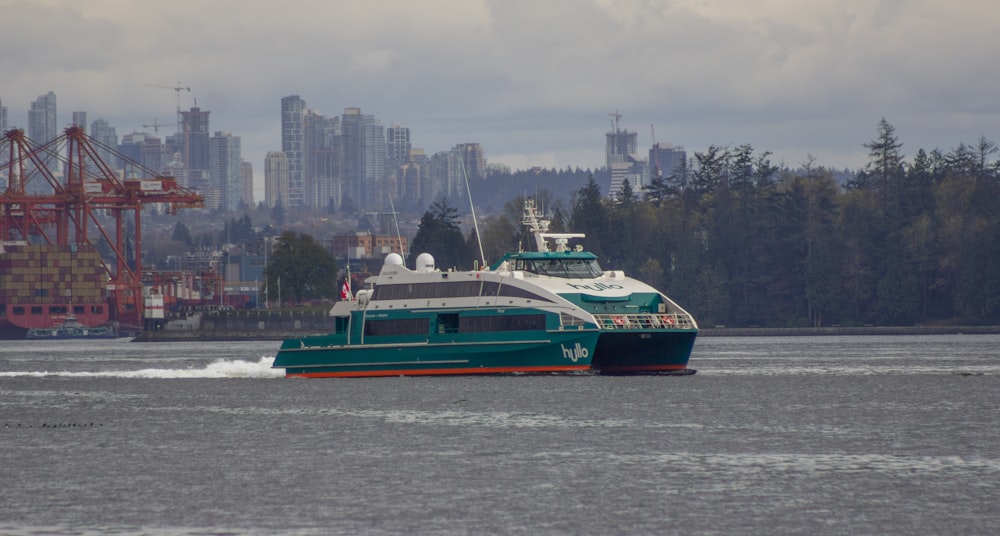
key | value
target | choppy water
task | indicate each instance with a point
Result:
(818, 435)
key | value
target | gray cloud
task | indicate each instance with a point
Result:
(532, 81)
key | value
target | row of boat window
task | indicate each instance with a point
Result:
(53, 310)
(451, 289)
(470, 324)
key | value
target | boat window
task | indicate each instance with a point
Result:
(443, 289)
(57, 309)
(490, 288)
(447, 323)
(397, 326)
(36, 310)
(516, 292)
(18, 310)
(565, 268)
(459, 289)
(479, 324)
(78, 309)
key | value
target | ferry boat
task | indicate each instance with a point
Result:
(71, 328)
(549, 310)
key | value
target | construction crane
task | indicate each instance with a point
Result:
(155, 126)
(614, 124)
(178, 88)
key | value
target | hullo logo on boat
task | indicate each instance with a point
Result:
(597, 287)
(575, 353)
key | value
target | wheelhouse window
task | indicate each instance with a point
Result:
(565, 268)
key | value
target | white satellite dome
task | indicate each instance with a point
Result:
(425, 262)
(394, 259)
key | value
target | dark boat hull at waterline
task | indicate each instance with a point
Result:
(644, 352)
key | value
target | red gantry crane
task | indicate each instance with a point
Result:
(81, 193)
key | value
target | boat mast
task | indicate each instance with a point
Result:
(398, 236)
(475, 222)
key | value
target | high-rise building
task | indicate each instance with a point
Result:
(42, 125)
(397, 156)
(665, 161)
(471, 160)
(397, 146)
(143, 148)
(246, 184)
(293, 144)
(3, 118)
(276, 179)
(373, 153)
(194, 138)
(225, 167)
(624, 164)
(42, 119)
(361, 153)
(440, 177)
(107, 138)
(319, 153)
(80, 120)
(351, 162)
(412, 177)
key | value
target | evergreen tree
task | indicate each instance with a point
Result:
(440, 235)
(301, 268)
(589, 216)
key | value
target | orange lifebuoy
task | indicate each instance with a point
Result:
(668, 320)
(618, 320)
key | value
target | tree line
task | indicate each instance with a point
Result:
(739, 241)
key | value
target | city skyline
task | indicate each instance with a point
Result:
(347, 160)
(533, 84)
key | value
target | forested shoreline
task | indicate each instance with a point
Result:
(739, 242)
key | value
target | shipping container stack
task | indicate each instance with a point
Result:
(41, 284)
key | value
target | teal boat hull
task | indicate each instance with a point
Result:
(523, 352)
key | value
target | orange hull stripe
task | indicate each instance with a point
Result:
(434, 372)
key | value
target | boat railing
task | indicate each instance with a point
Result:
(644, 321)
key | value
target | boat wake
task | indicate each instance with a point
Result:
(221, 368)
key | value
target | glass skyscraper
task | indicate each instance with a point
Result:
(293, 144)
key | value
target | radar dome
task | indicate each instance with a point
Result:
(394, 259)
(425, 262)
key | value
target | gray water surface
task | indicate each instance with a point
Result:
(812, 435)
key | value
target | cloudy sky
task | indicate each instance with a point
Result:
(533, 81)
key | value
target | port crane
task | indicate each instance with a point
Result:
(79, 194)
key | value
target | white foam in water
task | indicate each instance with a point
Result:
(221, 368)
